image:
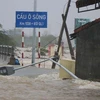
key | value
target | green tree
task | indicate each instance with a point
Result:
(0, 25)
(5, 39)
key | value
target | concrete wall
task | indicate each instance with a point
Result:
(70, 65)
(88, 53)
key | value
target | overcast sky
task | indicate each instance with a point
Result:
(54, 8)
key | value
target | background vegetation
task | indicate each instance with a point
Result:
(5, 39)
(14, 38)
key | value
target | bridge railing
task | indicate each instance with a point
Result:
(6, 50)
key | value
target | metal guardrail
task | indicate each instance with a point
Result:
(11, 70)
(51, 59)
(6, 50)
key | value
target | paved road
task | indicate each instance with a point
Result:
(31, 71)
(34, 71)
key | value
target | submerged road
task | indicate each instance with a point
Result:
(34, 83)
(33, 71)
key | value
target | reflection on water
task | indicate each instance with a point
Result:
(47, 87)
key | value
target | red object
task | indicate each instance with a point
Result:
(22, 39)
(22, 46)
(39, 48)
(49, 49)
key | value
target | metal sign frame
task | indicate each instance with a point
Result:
(27, 19)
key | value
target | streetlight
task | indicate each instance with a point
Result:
(34, 36)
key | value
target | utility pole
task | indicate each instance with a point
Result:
(68, 39)
(34, 36)
(64, 26)
(64, 17)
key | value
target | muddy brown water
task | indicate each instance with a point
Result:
(47, 87)
(44, 84)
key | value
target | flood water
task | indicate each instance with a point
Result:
(46, 86)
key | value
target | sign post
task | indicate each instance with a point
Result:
(29, 19)
(80, 21)
(34, 36)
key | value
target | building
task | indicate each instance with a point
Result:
(88, 50)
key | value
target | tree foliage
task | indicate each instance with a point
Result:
(6, 40)
(46, 38)
(0, 25)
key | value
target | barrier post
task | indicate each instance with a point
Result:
(22, 46)
(39, 48)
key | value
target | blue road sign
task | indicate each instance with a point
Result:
(31, 19)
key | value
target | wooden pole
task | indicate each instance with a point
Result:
(68, 39)
(62, 28)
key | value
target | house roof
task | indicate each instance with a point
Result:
(82, 3)
(84, 27)
(87, 25)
